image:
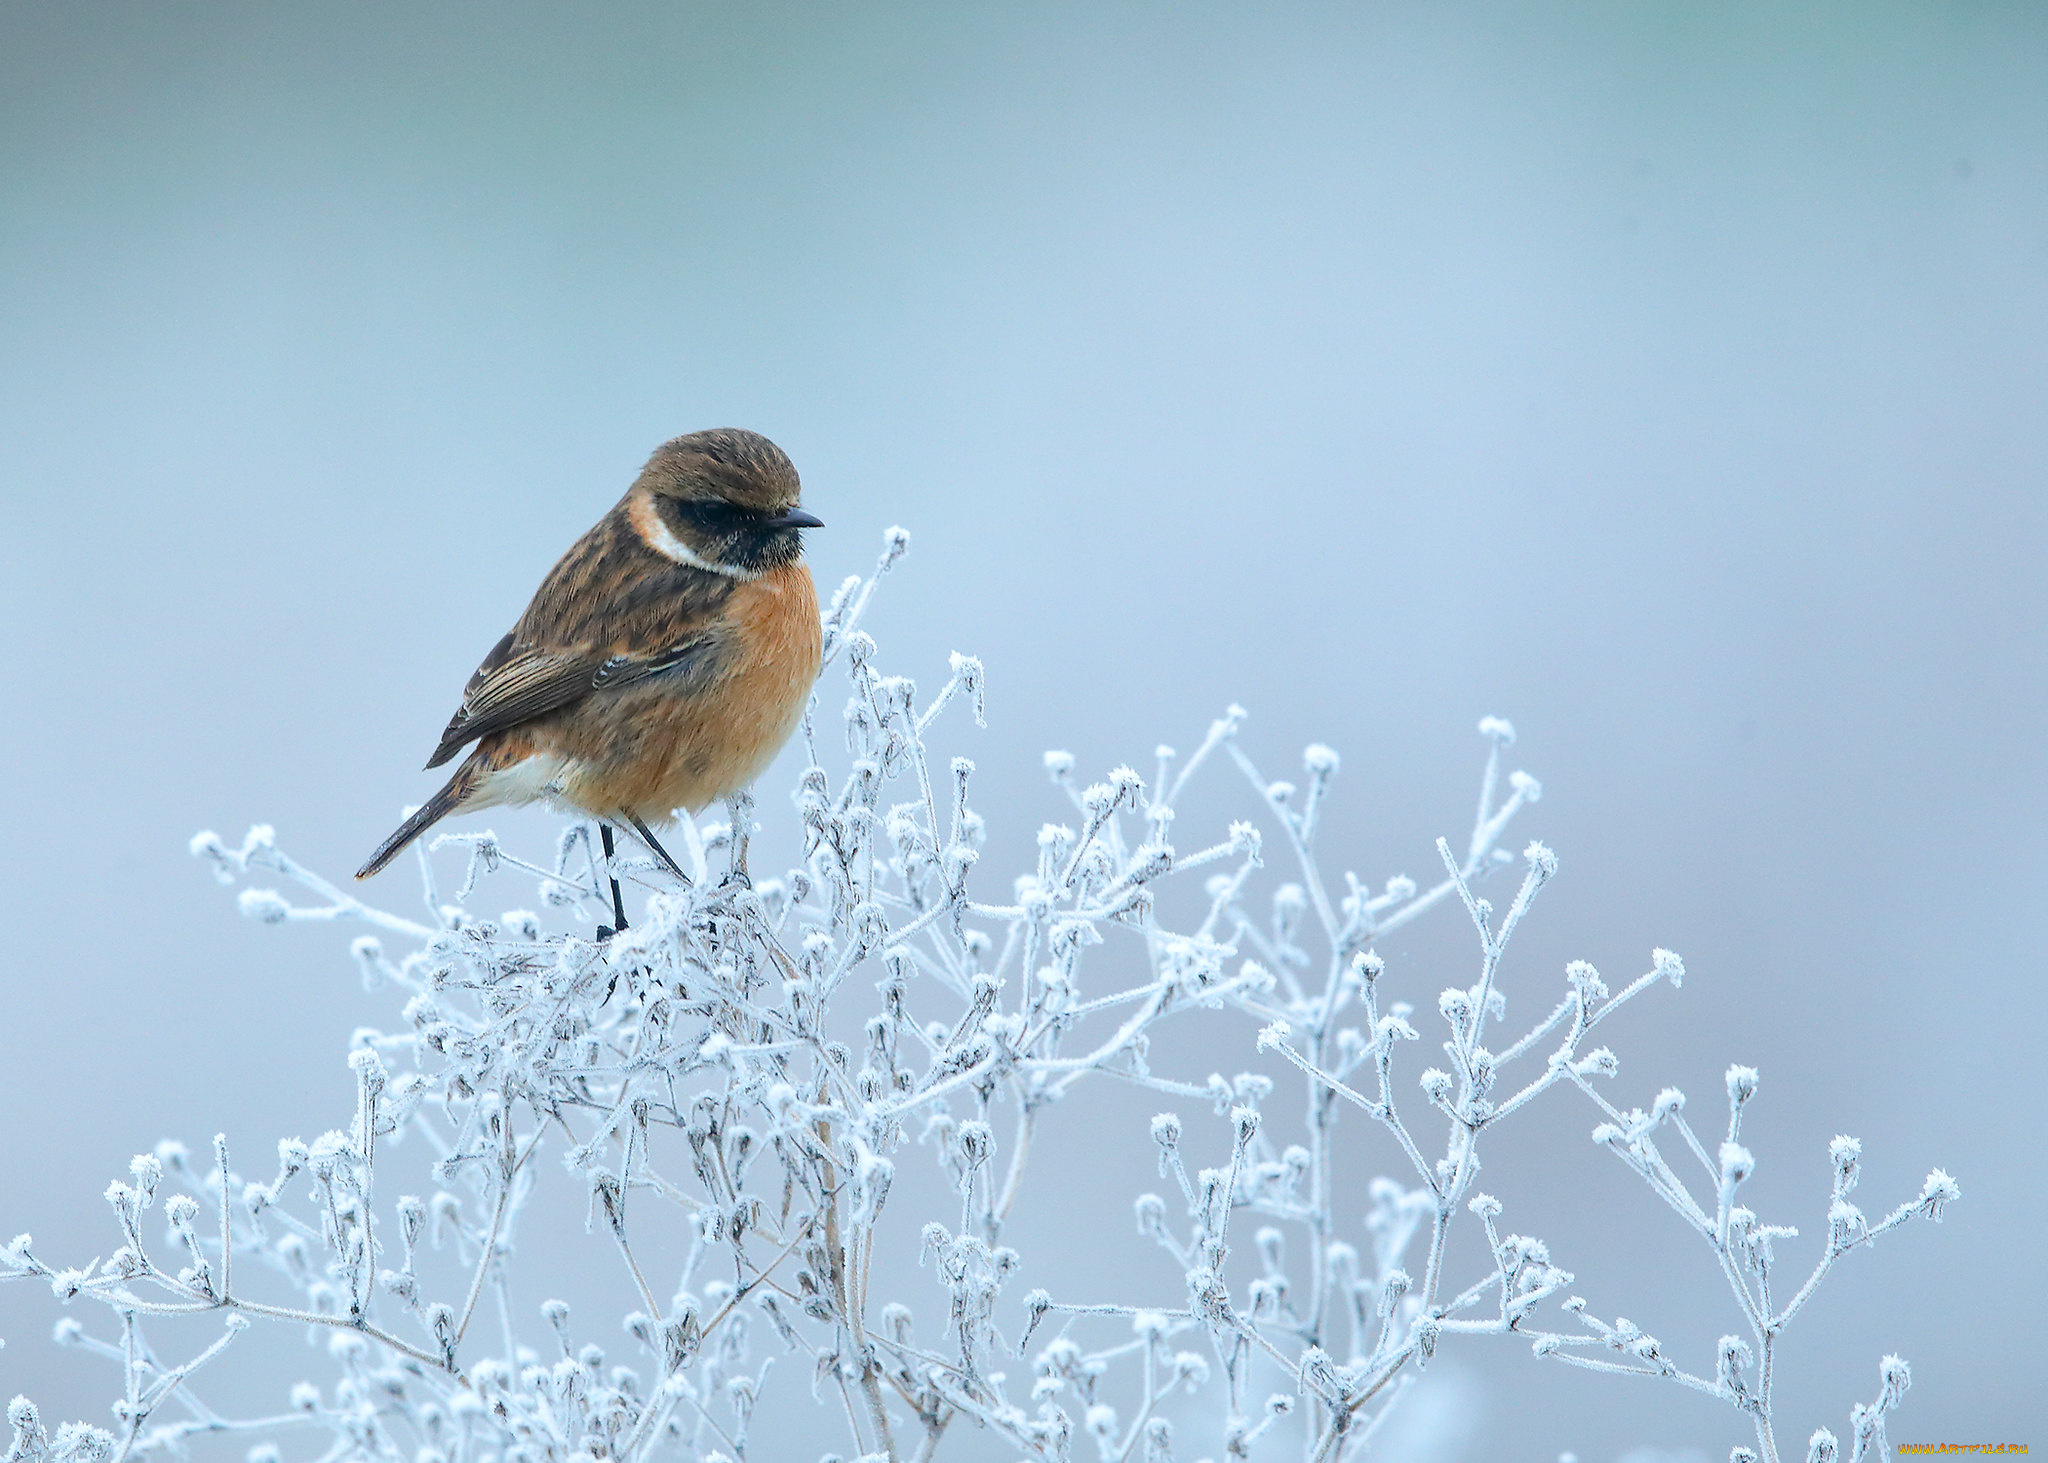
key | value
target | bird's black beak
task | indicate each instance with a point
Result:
(794, 518)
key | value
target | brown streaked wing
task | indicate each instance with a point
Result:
(499, 654)
(535, 682)
(521, 687)
(611, 612)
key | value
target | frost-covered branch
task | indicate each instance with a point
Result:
(740, 1074)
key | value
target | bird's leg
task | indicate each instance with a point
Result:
(739, 807)
(647, 837)
(605, 932)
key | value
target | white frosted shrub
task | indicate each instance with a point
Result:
(738, 1076)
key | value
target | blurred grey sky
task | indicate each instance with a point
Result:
(1665, 377)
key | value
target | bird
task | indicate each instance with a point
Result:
(662, 663)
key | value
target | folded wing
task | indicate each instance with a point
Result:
(515, 684)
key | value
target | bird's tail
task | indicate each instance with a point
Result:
(440, 805)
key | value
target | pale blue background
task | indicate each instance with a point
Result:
(1667, 377)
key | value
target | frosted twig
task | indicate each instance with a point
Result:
(757, 1063)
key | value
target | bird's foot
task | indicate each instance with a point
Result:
(734, 879)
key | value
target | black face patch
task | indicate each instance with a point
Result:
(706, 518)
(724, 533)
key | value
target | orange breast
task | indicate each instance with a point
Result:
(654, 748)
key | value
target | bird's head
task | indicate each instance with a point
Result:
(725, 500)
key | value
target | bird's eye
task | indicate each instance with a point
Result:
(706, 516)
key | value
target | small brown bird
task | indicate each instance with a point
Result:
(663, 662)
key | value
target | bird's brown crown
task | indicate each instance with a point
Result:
(733, 466)
(725, 500)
